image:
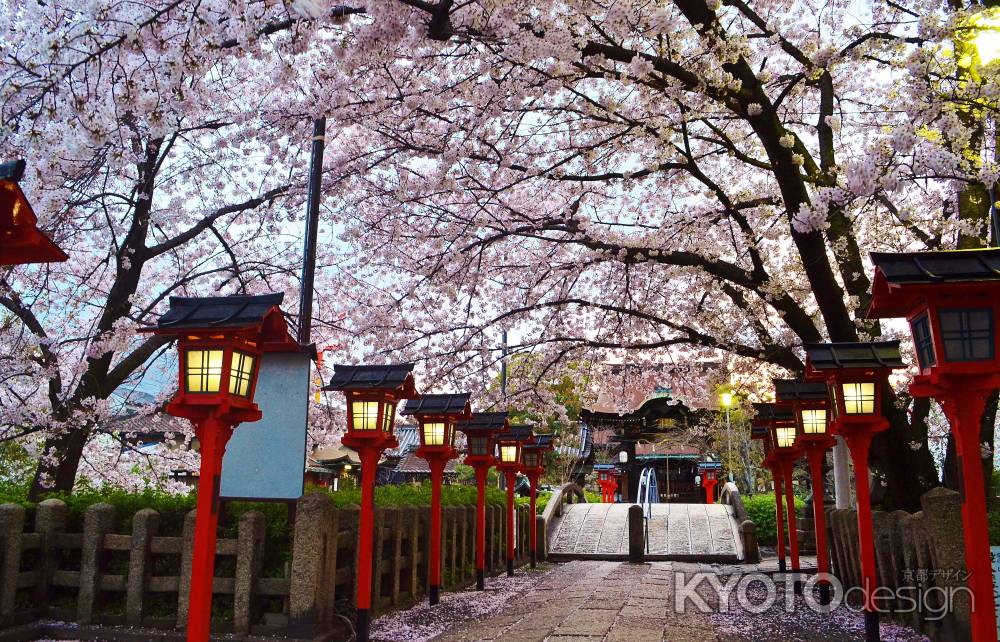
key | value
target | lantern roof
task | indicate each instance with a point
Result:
(770, 412)
(438, 404)
(517, 432)
(210, 312)
(795, 390)
(709, 465)
(834, 356)
(895, 271)
(20, 237)
(543, 441)
(391, 376)
(484, 421)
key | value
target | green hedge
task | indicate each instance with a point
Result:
(760, 509)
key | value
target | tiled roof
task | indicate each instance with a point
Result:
(336, 454)
(766, 412)
(12, 170)
(794, 390)
(939, 267)
(439, 404)
(543, 441)
(408, 438)
(494, 421)
(369, 377)
(218, 311)
(830, 356)
(412, 464)
(664, 449)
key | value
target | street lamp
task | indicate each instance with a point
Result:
(20, 239)
(533, 465)
(372, 393)
(856, 374)
(809, 402)
(220, 341)
(766, 414)
(784, 430)
(509, 444)
(480, 432)
(709, 478)
(436, 415)
(952, 301)
(727, 401)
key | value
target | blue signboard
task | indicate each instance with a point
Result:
(266, 459)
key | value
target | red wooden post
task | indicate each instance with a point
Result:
(213, 434)
(533, 527)
(434, 559)
(369, 456)
(816, 456)
(787, 463)
(858, 443)
(779, 514)
(481, 472)
(710, 483)
(511, 478)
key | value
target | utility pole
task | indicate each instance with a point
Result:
(312, 229)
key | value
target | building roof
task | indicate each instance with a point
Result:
(831, 356)
(795, 390)
(188, 313)
(672, 450)
(409, 440)
(412, 464)
(520, 432)
(709, 465)
(767, 412)
(939, 267)
(543, 441)
(335, 454)
(438, 404)
(392, 376)
(492, 421)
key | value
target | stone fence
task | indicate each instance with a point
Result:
(566, 494)
(919, 556)
(730, 495)
(142, 579)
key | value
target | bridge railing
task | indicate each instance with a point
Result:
(566, 494)
(730, 495)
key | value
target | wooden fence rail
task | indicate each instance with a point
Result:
(142, 578)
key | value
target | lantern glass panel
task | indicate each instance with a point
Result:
(785, 436)
(241, 374)
(434, 434)
(814, 421)
(967, 334)
(923, 341)
(530, 459)
(508, 453)
(364, 415)
(204, 370)
(859, 398)
(389, 418)
(479, 445)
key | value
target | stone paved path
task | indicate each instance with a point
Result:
(701, 532)
(609, 601)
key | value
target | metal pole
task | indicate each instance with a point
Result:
(503, 364)
(312, 229)
(729, 440)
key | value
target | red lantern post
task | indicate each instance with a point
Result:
(951, 301)
(533, 465)
(856, 374)
(607, 479)
(709, 471)
(767, 415)
(809, 403)
(219, 341)
(372, 393)
(480, 432)
(437, 415)
(783, 433)
(20, 239)
(509, 446)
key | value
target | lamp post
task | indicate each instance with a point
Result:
(765, 415)
(709, 478)
(785, 451)
(856, 375)
(20, 239)
(480, 432)
(436, 415)
(220, 341)
(533, 465)
(372, 393)
(607, 480)
(727, 401)
(809, 401)
(509, 444)
(952, 300)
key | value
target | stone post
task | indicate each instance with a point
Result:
(249, 560)
(314, 565)
(11, 534)
(145, 523)
(636, 535)
(50, 519)
(184, 584)
(396, 561)
(541, 544)
(748, 535)
(411, 515)
(378, 558)
(943, 520)
(98, 521)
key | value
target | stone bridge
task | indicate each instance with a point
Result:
(682, 532)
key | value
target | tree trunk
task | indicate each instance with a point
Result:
(909, 472)
(69, 447)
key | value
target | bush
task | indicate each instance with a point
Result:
(416, 495)
(760, 509)
(993, 522)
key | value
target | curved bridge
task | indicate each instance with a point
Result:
(683, 532)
